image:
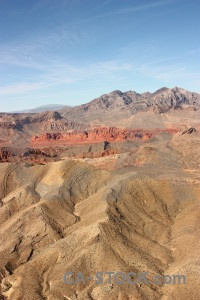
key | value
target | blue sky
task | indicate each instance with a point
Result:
(71, 51)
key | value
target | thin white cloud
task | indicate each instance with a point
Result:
(168, 73)
(137, 8)
(160, 60)
(59, 74)
(33, 53)
(193, 51)
(19, 88)
(30, 50)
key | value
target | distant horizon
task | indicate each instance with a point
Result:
(26, 110)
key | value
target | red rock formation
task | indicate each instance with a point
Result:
(110, 134)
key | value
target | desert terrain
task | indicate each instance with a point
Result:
(109, 186)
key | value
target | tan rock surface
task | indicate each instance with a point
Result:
(71, 216)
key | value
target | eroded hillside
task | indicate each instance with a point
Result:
(141, 215)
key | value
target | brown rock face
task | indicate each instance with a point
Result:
(110, 134)
(33, 156)
(5, 155)
(189, 131)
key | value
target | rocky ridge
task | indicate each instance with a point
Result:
(160, 101)
(110, 134)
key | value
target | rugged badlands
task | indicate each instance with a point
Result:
(109, 186)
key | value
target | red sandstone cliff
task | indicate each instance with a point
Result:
(110, 134)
